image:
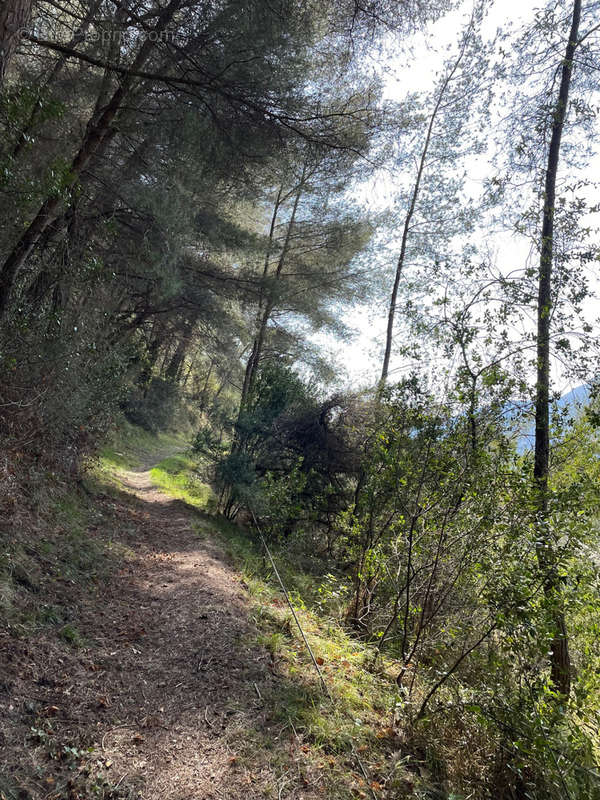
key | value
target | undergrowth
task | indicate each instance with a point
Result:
(37, 570)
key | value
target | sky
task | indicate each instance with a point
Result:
(413, 70)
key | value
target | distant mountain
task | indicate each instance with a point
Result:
(576, 399)
(569, 405)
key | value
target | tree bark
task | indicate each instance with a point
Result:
(174, 366)
(14, 16)
(270, 301)
(559, 658)
(250, 365)
(204, 393)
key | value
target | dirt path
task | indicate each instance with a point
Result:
(182, 667)
(169, 679)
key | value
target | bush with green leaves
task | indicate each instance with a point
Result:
(206, 443)
(259, 445)
(428, 535)
(238, 483)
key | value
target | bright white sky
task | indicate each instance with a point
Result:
(361, 359)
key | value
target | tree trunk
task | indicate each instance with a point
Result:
(250, 365)
(269, 301)
(96, 132)
(14, 16)
(145, 376)
(410, 213)
(175, 366)
(559, 658)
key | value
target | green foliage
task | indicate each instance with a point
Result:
(153, 408)
(433, 560)
(74, 386)
(241, 473)
(277, 390)
(236, 473)
(284, 500)
(207, 444)
(71, 635)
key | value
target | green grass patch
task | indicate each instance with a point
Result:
(178, 476)
(70, 634)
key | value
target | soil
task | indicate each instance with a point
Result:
(164, 682)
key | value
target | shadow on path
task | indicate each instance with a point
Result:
(168, 679)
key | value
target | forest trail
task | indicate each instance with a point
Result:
(167, 679)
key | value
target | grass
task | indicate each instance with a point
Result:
(59, 549)
(63, 552)
(178, 476)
